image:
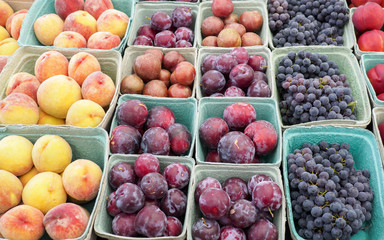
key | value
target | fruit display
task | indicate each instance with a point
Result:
(232, 24)
(159, 73)
(298, 23)
(237, 73)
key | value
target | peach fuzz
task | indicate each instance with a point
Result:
(44, 191)
(98, 87)
(3, 33)
(23, 83)
(113, 21)
(66, 221)
(103, 40)
(5, 12)
(47, 27)
(50, 64)
(81, 22)
(56, 95)
(22, 222)
(45, 118)
(24, 179)
(51, 153)
(16, 154)
(85, 113)
(97, 7)
(8, 24)
(10, 194)
(16, 23)
(81, 179)
(81, 65)
(70, 39)
(65, 7)
(8, 46)
(18, 108)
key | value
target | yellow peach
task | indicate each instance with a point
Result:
(85, 113)
(8, 24)
(50, 64)
(70, 39)
(23, 82)
(26, 177)
(16, 154)
(81, 22)
(3, 33)
(18, 108)
(47, 27)
(5, 12)
(11, 189)
(113, 21)
(81, 65)
(16, 23)
(98, 87)
(45, 118)
(8, 46)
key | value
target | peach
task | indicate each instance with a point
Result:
(66, 221)
(16, 23)
(47, 27)
(51, 153)
(228, 37)
(56, 95)
(3, 62)
(368, 17)
(23, 82)
(3, 33)
(97, 7)
(251, 20)
(8, 46)
(65, 7)
(11, 189)
(81, 65)
(210, 41)
(8, 24)
(372, 41)
(113, 21)
(18, 108)
(5, 12)
(81, 22)
(81, 179)
(50, 64)
(16, 154)
(45, 118)
(238, 27)
(70, 39)
(131, 84)
(103, 40)
(251, 39)
(24, 179)
(44, 191)
(85, 113)
(98, 87)
(22, 222)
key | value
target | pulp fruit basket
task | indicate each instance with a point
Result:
(145, 10)
(42, 7)
(222, 173)
(18, 5)
(266, 109)
(185, 111)
(238, 8)
(103, 222)
(132, 53)
(363, 148)
(23, 60)
(91, 144)
(377, 119)
(349, 66)
(368, 61)
(204, 52)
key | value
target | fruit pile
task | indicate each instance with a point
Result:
(61, 92)
(226, 141)
(330, 198)
(160, 75)
(145, 202)
(226, 29)
(237, 205)
(155, 132)
(297, 23)
(42, 176)
(78, 24)
(246, 74)
(167, 32)
(313, 89)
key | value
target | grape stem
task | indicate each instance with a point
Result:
(270, 212)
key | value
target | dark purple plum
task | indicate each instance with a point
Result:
(149, 201)
(212, 156)
(154, 185)
(236, 188)
(151, 221)
(265, 215)
(265, 140)
(209, 63)
(165, 39)
(124, 225)
(234, 91)
(241, 55)
(256, 126)
(174, 227)
(174, 203)
(236, 147)
(241, 75)
(143, 41)
(112, 209)
(132, 112)
(256, 179)
(120, 173)
(206, 229)
(182, 17)
(161, 21)
(156, 141)
(259, 88)
(184, 33)
(130, 198)
(258, 63)
(225, 221)
(160, 116)
(177, 175)
(262, 230)
(232, 233)
(183, 44)
(214, 203)
(146, 30)
(180, 138)
(204, 184)
(239, 115)
(243, 213)
(125, 139)
(225, 62)
(212, 81)
(212, 130)
(146, 163)
(257, 75)
(267, 196)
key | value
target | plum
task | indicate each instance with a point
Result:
(156, 141)
(236, 147)
(132, 112)
(212, 130)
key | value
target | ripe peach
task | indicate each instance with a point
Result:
(65, 7)
(8, 46)
(66, 221)
(131, 84)
(45, 118)
(16, 154)
(22, 222)
(238, 27)
(81, 65)
(3, 33)
(23, 82)
(251, 20)
(211, 26)
(70, 39)
(85, 113)
(155, 88)
(210, 41)
(251, 39)
(56, 95)
(5, 12)
(11, 189)
(8, 24)
(81, 22)
(372, 41)
(179, 91)
(184, 73)
(147, 67)
(98, 87)
(51, 153)
(50, 64)
(47, 27)
(97, 7)
(113, 21)
(232, 18)
(81, 179)
(18, 108)
(229, 37)
(27, 176)
(16, 23)
(103, 40)
(368, 17)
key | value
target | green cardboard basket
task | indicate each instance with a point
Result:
(222, 173)
(86, 143)
(185, 111)
(103, 221)
(41, 7)
(266, 109)
(368, 61)
(377, 119)
(349, 66)
(366, 156)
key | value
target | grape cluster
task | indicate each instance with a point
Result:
(330, 198)
(320, 21)
(312, 89)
